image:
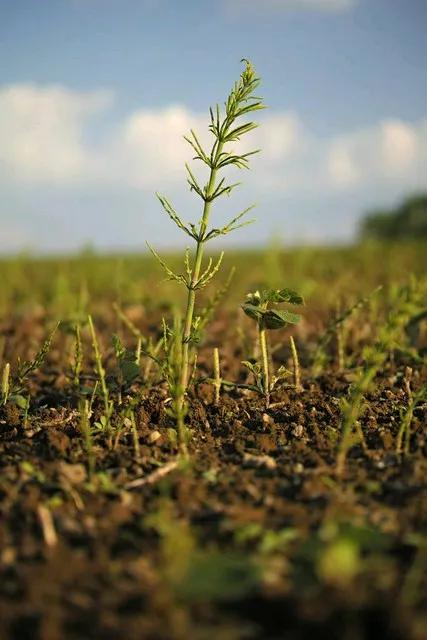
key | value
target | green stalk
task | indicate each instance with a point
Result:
(296, 365)
(265, 365)
(5, 383)
(340, 348)
(136, 446)
(191, 295)
(240, 102)
(217, 375)
(85, 411)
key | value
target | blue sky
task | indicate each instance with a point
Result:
(95, 96)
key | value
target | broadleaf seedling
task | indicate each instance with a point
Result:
(258, 307)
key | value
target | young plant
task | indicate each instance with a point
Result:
(105, 420)
(85, 411)
(144, 346)
(171, 367)
(226, 128)
(258, 307)
(77, 363)
(414, 400)
(127, 366)
(338, 328)
(12, 387)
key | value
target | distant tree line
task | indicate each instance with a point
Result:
(407, 221)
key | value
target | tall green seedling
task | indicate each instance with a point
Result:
(226, 128)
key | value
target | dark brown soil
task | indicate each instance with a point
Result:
(255, 537)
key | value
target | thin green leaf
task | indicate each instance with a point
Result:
(167, 206)
(171, 275)
(230, 226)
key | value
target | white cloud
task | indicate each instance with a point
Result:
(391, 153)
(44, 135)
(42, 132)
(47, 158)
(281, 136)
(399, 144)
(388, 152)
(341, 167)
(151, 146)
(262, 6)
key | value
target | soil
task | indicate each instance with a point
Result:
(255, 537)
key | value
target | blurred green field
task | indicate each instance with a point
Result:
(326, 276)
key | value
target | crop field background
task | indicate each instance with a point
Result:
(256, 534)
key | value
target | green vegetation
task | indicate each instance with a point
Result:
(408, 221)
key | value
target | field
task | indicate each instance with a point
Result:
(302, 517)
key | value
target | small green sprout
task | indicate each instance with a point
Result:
(5, 384)
(77, 363)
(257, 307)
(217, 375)
(407, 414)
(127, 366)
(85, 412)
(104, 422)
(12, 387)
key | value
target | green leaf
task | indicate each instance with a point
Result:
(253, 311)
(281, 374)
(26, 368)
(283, 295)
(168, 208)
(173, 436)
(253, 367)
(215, 575)
(231, 226)
(239, 131)
(19, 401)
(118, 347)
(129, 368)
(254, 298)
(276, 319)
(178, 277)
